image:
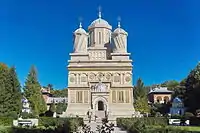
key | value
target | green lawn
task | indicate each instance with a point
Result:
(186, 128)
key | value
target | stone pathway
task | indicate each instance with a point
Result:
(94, 125)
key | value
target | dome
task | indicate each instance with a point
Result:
(120, 30)
(80, 30)
(100, 23)
(177, 100)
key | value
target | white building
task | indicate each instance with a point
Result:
(100, 72)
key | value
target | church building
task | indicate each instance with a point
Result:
(100, 72)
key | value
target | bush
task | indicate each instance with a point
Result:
(46, 125)
(148, 125)
(13, 115)
(187, 115)
(150, 121)
(67, 124)
(6, 121)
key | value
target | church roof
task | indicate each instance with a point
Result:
(160, 90)
(99, 22)
(177, 100)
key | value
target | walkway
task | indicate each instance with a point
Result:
(94, 125)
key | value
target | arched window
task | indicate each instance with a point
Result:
(158, 99)
(166, 99)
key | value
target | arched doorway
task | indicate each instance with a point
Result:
(100, 106)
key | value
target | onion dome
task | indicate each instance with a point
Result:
(80, 30)
(100, 23)
(119, 30)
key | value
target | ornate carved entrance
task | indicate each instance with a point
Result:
(99, 99)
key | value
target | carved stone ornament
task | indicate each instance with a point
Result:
(108, 76)
(116, 78)
(72, 79)
(92, 76)
(100, 76)
(83, 79)
(128, 78)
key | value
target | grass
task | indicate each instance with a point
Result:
(186, 128)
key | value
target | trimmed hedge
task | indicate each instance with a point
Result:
(148, 125)
(46, 125)
(150, 121)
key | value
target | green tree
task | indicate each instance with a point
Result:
(59, 108)
(10, 96)
(32, 91)
(15, 91)
(139, 90)
(141, 105)
(50, 86)
(171, 85)
(52, 107)
(60, 93)
(192, 93)
(140, 96)
(4, 89)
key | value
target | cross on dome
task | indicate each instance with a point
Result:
(119, 22)
(99, 12)
(80, 22)
(80, 25)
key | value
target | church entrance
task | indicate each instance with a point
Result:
(100, 106)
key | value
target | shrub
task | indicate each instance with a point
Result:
(187, 115)
(148, 125)
(13, 115)
(6, 121)
(67, 124)
(156, 121)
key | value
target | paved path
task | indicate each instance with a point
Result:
(94, 125)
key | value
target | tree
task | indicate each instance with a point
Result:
(4, 89)
(140, 96)
(139, 89)
(171, 85)
(52, 107)
(192, 92)
(59, 108)
(32, 91)
(15, 91)
(10, 96)
(60, 93)
(141, 105)
(50, 86)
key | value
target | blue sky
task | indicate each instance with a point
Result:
(164, 35)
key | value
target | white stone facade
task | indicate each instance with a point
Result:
(100, 73)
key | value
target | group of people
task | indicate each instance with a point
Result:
(90, 115)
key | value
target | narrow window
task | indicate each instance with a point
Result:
(79, 97)
(99, 37)
(114, 96)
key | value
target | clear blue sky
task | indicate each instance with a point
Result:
(164, 35)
